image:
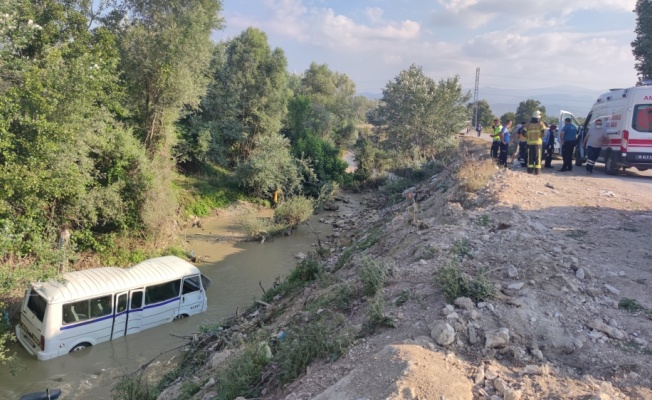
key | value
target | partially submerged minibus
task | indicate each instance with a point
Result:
(88, 307)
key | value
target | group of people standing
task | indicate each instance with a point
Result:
(536, 143)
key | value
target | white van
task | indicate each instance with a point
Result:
(84, 308)
(628, 114)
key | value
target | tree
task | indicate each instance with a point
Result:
(165, 53)
(508, 116)
(335, 108)
(642, 45)
(247, 98)
(421, 117)
(485, 115)
(270, 167)
(526, 108)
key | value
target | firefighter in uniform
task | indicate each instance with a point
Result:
(534, 131)
(496, 128)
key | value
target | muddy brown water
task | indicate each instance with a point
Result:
(234, 266)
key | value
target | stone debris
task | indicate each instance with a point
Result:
(496, 338)
(600, 326)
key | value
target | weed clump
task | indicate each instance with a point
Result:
(327, 337)
(376, 317)
(456, 283)
(372, 275)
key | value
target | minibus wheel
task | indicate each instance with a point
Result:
(80, 346)
(180, 316)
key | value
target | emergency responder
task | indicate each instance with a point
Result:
(534, 131)
(522, 145)
(496, 128)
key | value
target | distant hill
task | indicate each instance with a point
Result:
(570, 98)
(574, 99)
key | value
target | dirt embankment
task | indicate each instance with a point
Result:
(569, 318)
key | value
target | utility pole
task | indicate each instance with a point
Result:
(475, 97)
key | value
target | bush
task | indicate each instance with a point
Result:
(242, 374)
(294, 211)
(376, 317)
(132, 387)
(328, 337)
(256, 228)
(372, 275)
(456, 283)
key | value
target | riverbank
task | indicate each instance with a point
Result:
(516, 290)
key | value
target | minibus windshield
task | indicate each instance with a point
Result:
(36, 304)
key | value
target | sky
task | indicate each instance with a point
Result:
(517, 44)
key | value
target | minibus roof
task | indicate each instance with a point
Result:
(92, 282)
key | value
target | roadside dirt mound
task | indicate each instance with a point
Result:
(569, 261)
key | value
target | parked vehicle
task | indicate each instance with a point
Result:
(628, 115)
(562, 118)
(88, 307)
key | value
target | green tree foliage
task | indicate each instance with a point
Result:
(422, 117)
(485, 115)
(508, 116)
(64, 160)
(323, 156)
(335, 109)
(246, 99)
(165, 49)
(526, 108)
(270, 167)
(642, 45)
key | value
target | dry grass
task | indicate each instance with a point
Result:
(474, 175)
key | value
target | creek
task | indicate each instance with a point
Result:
(236, 267)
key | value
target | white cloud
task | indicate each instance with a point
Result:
(477, 13)
(374, 14)
(323, 27)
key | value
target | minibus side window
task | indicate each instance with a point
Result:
(136, 300)
(191, 284)
(162, 292)
(101, 306)
(37, 304)
(75, 312)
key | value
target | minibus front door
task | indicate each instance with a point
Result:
(120, 316)
(192, 296)
(135, 311)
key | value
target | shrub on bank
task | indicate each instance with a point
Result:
(294, 211)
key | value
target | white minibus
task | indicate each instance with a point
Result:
(84, 308)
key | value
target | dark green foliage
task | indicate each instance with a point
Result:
(246, 99)
(242, 374)
(306, 271)
(65, 160)
(485, 115)
(630, 305)
(508, 116)
(456, 283)
(642, 45)
(327, 336)
(293, 212)
(526, 108)
(269, 167)
(421, 117)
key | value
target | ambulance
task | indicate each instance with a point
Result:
(628, 117)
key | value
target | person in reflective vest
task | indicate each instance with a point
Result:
(534, 131)
(496, 128)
